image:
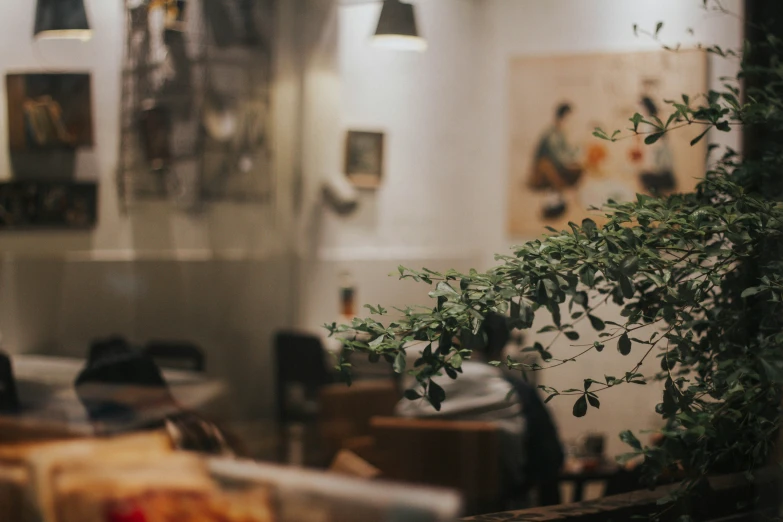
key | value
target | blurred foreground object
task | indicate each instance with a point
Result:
(142, 478)
(123, 389)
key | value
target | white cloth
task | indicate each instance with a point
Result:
(480, 393)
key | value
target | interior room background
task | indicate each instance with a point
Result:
(230, 275)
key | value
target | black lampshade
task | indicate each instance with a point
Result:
(397, 28)
(62, 19)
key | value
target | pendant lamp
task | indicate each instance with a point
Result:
(62, 19)
(397, 28)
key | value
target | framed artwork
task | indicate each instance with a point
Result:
(48, 205)
(364, 158)
(49, 111)
(558, 169)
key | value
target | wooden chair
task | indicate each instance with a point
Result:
(464, 456)
(346, 411)
(103, 348)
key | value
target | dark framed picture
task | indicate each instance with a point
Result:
(48, 205)
(49, 111)
(364, 158)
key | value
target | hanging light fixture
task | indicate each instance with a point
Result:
(397, 28)
(62, 19)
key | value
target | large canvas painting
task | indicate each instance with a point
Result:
(558, 170)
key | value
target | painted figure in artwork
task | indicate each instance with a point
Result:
(556, 165)
(655, 161)
(597, 187)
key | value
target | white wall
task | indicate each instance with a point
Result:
(444, 114)
(423, 214)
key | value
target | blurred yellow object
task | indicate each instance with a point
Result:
(352, 465)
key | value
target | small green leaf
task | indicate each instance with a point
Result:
(436, 395)
(442, 289)
(412, 395)
(624, 344)
(630, 439)
(597, 324)
(626, 287)
(630, 265)
(399, 362)
(658, 28)
(698, 138)
(636, 120)
(652, 138)
(748, 292)
(580, 407)
(599, 347)
(589, 227)
(587, 275)
(456, 361)
(574, 336)
(593, 400)
(581, 299)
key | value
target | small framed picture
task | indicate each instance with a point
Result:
(364, 158)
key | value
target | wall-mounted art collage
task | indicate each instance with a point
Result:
(197, 77)
(49, 120)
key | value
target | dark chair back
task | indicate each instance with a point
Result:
(299, 360)
(179, 355)
(9, 400)
(101, 349)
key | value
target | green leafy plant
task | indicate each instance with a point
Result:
(700, 273)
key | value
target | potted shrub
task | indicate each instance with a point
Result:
(703, 269)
